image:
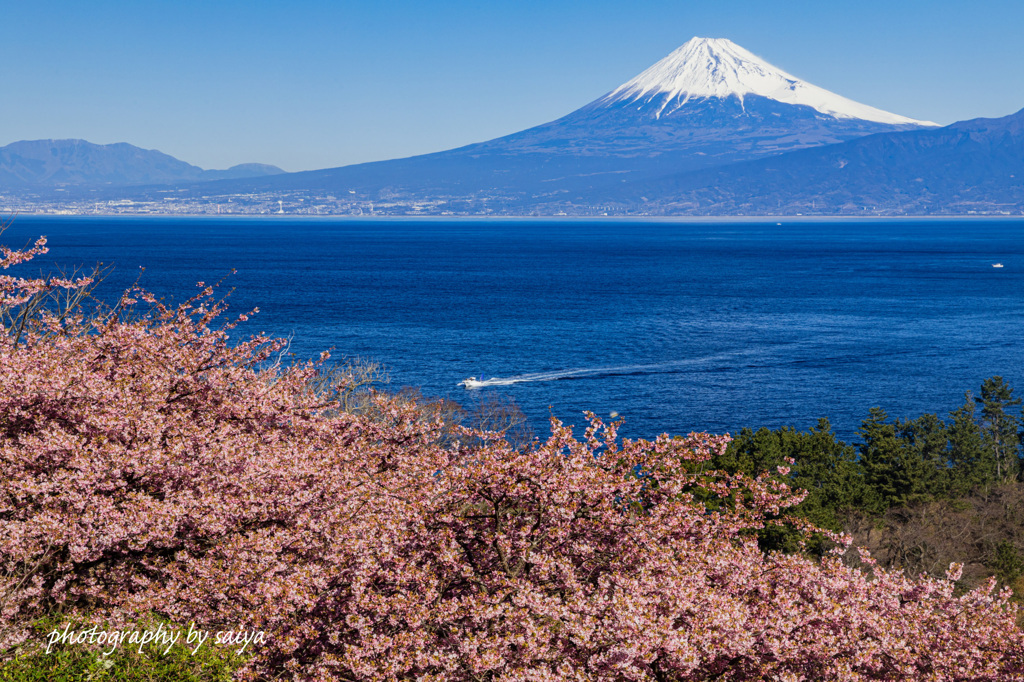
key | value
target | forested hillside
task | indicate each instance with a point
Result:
(920, 493)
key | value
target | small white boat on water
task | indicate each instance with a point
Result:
(997, 265)
(472, 382)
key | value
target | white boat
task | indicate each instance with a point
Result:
(472, 382)
(997, 265)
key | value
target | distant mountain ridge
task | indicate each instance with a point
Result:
(54, 163)
(708, 103)
(969, 166)
(711, 129)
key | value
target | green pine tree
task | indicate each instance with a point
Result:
(1000, 428)
(828, 469)
(973, 466)
(926, 456)
(893, 456)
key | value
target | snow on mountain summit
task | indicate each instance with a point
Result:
(717, 67)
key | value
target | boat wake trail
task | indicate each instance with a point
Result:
(594, 372)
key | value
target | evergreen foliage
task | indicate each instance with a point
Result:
(918, 492)
(896, 463)
(972, 465)
(1000, 427)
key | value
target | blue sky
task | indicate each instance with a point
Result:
(313, 84)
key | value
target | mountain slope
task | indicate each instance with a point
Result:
(50, 163)
(970, 166)
(708, 103)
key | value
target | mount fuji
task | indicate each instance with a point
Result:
(708, 103)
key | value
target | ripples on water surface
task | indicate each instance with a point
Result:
(676, 326)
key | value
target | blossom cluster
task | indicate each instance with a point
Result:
(147, 465)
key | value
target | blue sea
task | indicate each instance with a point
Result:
(675, 326)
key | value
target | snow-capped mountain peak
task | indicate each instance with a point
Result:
(717, 67)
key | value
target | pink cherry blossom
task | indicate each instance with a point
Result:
(151, 466)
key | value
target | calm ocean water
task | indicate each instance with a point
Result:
(675, 326)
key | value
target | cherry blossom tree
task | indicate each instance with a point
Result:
(152, 464)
